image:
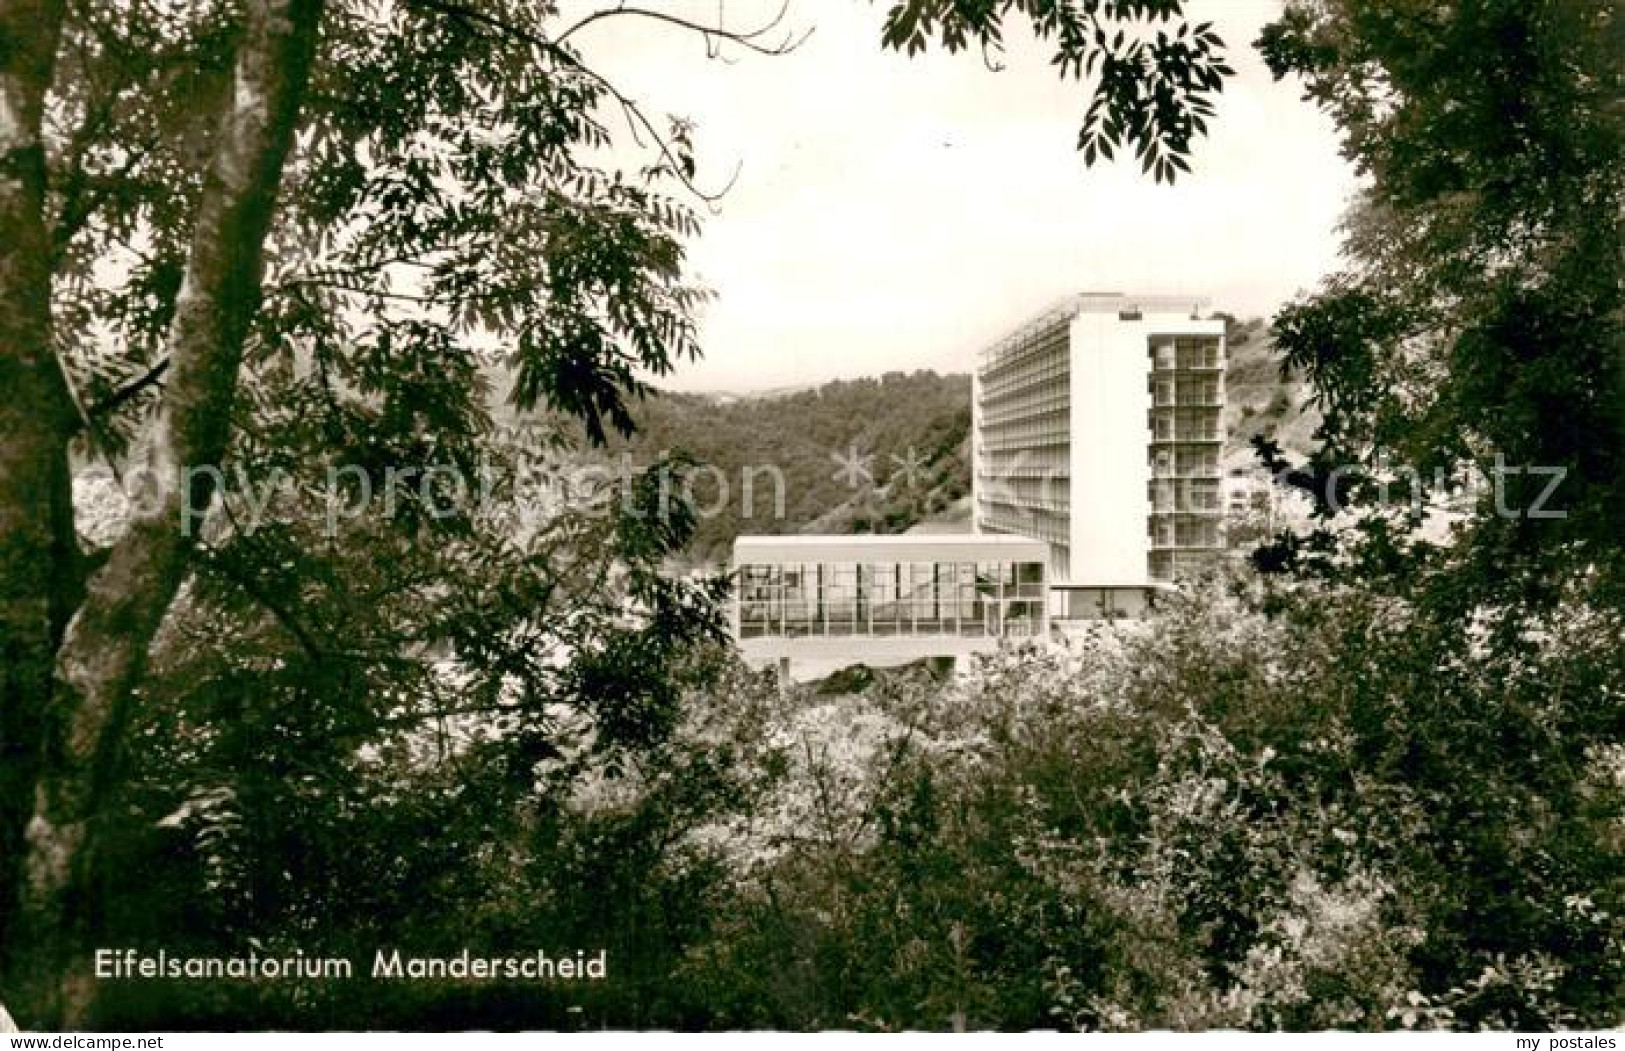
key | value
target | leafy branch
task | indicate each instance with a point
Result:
(673, 146)
(1152, 91)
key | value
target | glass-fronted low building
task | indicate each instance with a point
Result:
(886, 599)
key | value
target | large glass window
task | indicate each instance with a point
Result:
(882, 598)
(887, 598)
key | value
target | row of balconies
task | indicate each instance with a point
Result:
(1033, 488)
(1058, 509)
(1186, 353)
(1034, 440)
(1191, 435)
(1039, 403)
(1184, 425)
(1025, 526)
(1175, 368)
(1162, 401)
(1028, 503)
(1183, 539)
(1197, 463)
(1053, 415)
(990, 472)
(1014, 358)
(1197, 473)
(985, 469)
(1040, 463)
(1202, 387)
(1017, 357)
(1168, 497)
(1167, 393)
(1165, 497)
(1055, 372)
(994, 468)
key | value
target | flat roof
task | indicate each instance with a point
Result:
(886, 539)
(920, 547)
(1155, 303)
(1070, 306)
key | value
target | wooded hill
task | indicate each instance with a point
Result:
(906, 436)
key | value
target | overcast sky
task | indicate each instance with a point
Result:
(897, 213)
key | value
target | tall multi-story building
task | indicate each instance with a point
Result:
(1097, 428)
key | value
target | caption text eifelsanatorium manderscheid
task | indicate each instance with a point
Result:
(386, 964)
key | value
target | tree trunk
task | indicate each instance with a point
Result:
(36, 516)
(103, 655)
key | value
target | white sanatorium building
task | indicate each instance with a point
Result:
(1096, 434)
(1097, 428)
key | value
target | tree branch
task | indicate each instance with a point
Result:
(712, 34)
(77, 208)
(630, 109)
(281, 614)
(348, 281)
(128, 391)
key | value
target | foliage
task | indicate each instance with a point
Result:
(1469, 361)
(1479, 320)
(441, 202)
(1153, 92)
(1264, 809)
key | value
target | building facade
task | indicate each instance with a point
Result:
(886, 599)
(1097, 428)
